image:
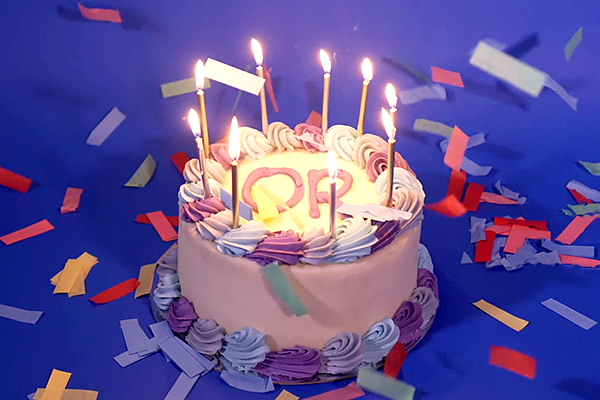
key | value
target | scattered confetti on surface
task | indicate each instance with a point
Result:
(570, 314)
(578, 251)
(248, 383)
(143, 219)
(484, 249)
(575, 229)
(448, 77)
(56, 385)
(518, 234)
(507, 319)
(105, 127)
(472, 196)
(143, 174)
(163, 227)
(513, 361)
(19, 314)
(28, 232)
(182, 386)
(466, 259)
(580, 261)
(493, 198)
(146, 279)
(285, 395)
(115, 292)
(70, 394)
(14, 181)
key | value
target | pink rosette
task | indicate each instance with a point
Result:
(314, 132)
(377, 164)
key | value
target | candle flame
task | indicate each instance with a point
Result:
(234, 140)
(387, 123)
(194, 122)
(199, 75)
(257, 51)
(325, 61)
(367, 70)
(332, 165)
(390, 94)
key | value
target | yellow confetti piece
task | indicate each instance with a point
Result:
(279, 201)
(56, 385)
(266, 206)
(70, 394)
(285, 395)
(507, 319)
(68, 276)
(146, 278)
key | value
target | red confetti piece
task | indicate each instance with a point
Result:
(180, 159)
(314, 119)
(352, 391)
(581, 261)
(100, 14)
(143, 219)
(456, 149)
(543, 225)
(513, 361)
(448, 77)
(518, 234)
(493, 198)
(28, 232)
(499, 229)
(269, 87)
(162, 226)
(14, 181)
(395, 360)
(115, 292)
(579, 197)
(575, 229)
(71, 200)
(485, 248)
(449, 206)
(456, 185)
(472, 197)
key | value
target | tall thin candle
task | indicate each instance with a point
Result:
(333, 172)
(326, 78)
(392, 98)
(234, 154)
(367, 70)
(195, 127)
(258, 57)
(202, 105)
(391, 132)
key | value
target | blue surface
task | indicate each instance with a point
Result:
(60, 75)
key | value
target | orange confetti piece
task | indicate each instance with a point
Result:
(581, 261)
(100, 14)
(456, 149)
(518, 234)
(450, 206)
(575, 229)
(269, 87)
(143, 219)
(26, 233)
(493, 198)
(14, 181)
(448, 77)
(162, 226)
(71, 200)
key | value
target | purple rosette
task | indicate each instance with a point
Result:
(315, 133)
(284, 247)
(343, 354)
(426, 278)
(181, 315)
(385, 234)
(409, 319)
(295, 364)
(201, 209)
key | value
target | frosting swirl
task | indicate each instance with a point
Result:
(216, 225)
(205, 336)
(424, 258)
(385, 234)
(167, 265)
(282, 136)
(201, 209)
(181, 315)
(365, 146)
(283, 247)
(243, 240)
(313, 132)
(426, 278)
(342, 354)
(193, 173)
(428, 302)
(192, 191)
(254, 143)
(219, 152)
(341, 139)
(407, 195)
(168, 287)
(409, 319)
(294, 364)
(354, 238)
(317, 246)
(379, 340)
(377, 164)
(245, 348)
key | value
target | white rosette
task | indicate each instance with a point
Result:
(341, 139)
(407, 194)
(254, 144)
(365, 146)
(192, 172)
(282, 136)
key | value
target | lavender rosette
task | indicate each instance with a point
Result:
(379, 340)
(429, 305)
(426, 278)
(385, 234)
(245, 348)
(409, 319)
(181, 315)
(201, 209)
(342, 354)
(284, 247)
(294, 364)
(206, 336)
(168, 287)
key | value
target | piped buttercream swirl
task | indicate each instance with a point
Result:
(341, 139)
(254, 143)
(424, 258)
(317, 246)
(216, 225)
(379, 340)
(205, 336)
(193, 173)
(245, 348)
(243, 240)
(377, 164)
(192, 191)
(365, 146)
(294, 364)
(409, 319)
(342, 354)
(428, 302)
(354, 238)
(313, 132)
(385, 234)
(282, 136)
(168, 287)
(284, 247)
(407, 194)
(201, 209)
(426, 278)
(181, 315)
(219, 152)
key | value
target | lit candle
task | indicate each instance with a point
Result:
(234, 154)
(258, 57)
(201, 104)
(326, 78)
(392, 98)
(333, 172)
(367, 71)
(195, 127)
(391, 132)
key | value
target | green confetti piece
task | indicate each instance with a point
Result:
(183, 86)
(143, 174)
(284, 290)
(383, 385)
(582, 209)
(593, 168)
(567, 212)
(437, 128)
(573, 43)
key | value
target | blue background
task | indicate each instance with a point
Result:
(60, 75)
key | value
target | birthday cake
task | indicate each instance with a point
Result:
(280, 297)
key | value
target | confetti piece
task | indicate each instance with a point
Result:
(520, 258)
(105, 127)
(180, 159)
(163, 227)
(450, 206)
(180, 87)
(125, 359)
(184, 360)
(239, 93)
(100, 14)
(352, 391)
(135, 338)
(67, 276)
(78, 288)
(314, 119)
(585, 191)
(456, 184)
(499, 229)
(384, 385)
(448, 77)
(575, 229)
(33, 230)
(518, 234)
(182, 386)
(437, 128)
(456, 149)
(245, 209)
(71, 200)
(579, 197)
(506, 192)
(593, 168)
(474, 169)
(573, 43)
(578, 251)
(143, 219)
(284, 289)
(570, 314)
(493, 198)
(477, 229)
(418, 94)
(466, 259)
(395, 360)
(285, 395)
(269, 87)
(513, 361)
(580, 261)
(266, 207)
(14, 181)
(279, 201)
(143, 174)
(70, 394)
(583, 209)
(474, 141)
(234, 77)
(19, 314)
(484, 249)
(56, 385)
(507, 319)
(542, 225)
(472, 196)
(146, 278)
(559, 90)
(115, 292)
(248, 383)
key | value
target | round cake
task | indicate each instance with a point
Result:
(280, 297)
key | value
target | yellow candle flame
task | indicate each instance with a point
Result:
(390, 94)
(367, 70)
(194, 122)
(387, 123)
(257, 51)
(199, 75)
(234, 140)
(325, 61)
(332, 165)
